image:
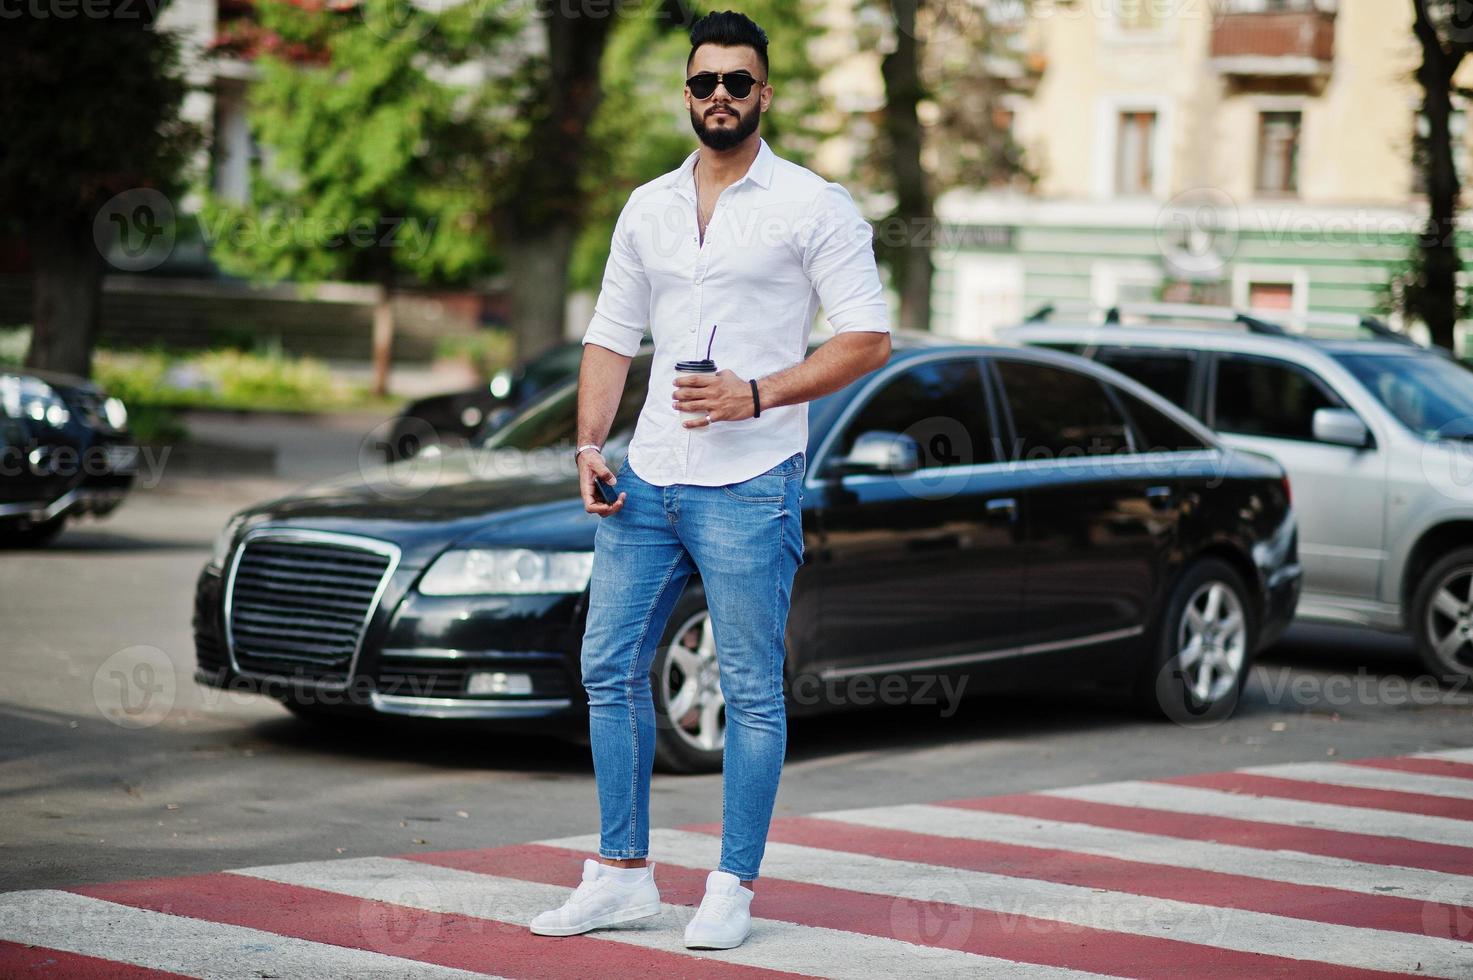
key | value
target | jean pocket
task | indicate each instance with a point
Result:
(764, 488)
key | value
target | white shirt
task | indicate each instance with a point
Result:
(781, 241)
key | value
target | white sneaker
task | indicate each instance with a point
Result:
(601, 899)
(724, 919)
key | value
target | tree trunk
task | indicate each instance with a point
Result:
(1437, 295)
(907, 236)
(383, 338)
(66, 284)
(537, 270)
(543, 208)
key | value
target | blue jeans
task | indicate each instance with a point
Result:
(745, 541)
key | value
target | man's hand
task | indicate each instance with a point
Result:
(591, 466)
(723, 396)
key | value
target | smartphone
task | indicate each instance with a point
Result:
(608, 493)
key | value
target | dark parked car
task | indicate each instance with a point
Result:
(999, 518)
(65, 451)
(452, 420)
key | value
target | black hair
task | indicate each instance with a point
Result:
(728, 29)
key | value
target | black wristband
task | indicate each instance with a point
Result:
(756, 402)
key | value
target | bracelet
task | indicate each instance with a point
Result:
(588, 446)
(756, 402)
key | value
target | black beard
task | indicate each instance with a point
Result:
(725, 139)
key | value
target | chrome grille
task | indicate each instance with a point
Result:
(298, 604)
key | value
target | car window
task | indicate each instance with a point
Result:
(1261, 396)
(552, 420)
(940, 404)
(1060, 413)
(1431, 395)
(1157, 431)
(1168, 373)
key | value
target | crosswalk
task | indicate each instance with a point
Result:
(1352, 869)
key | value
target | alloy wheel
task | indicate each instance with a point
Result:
(1450, 617)
(691, 685)
(1211, 642)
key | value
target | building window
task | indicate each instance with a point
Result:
(1278, 152)
(1271, 295)
(1135, 136)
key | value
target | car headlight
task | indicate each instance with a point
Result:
(31, 398)
(508, 571)
(115, 413)
(223, 541)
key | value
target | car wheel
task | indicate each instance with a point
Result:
(1203, 649)
(32, 535)
(690, 711)
(1442, 616)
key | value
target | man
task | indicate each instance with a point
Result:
(735, 251)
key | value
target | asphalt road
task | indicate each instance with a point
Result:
(101, 785)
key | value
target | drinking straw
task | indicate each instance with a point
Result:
(712, 340)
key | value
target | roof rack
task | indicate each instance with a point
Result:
(1189, 311)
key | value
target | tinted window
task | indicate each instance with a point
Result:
(1262, 397)
(552, 420)
(940, 404)
(1431, 395)
(1058, 412)
(1158, 432)
(1167, 374)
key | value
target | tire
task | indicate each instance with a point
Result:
(1442, 617)
(685, 678)
(1201, 690)
(32, 535)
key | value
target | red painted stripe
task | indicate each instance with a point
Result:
(1366, 848)
(1427, 767)
(19, 960)
(1312, 792)
(936, 923)
(1318, 904)
(464, 942)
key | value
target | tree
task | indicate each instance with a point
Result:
(1446, 37)
(375, 164)
(946, 65)
(95, 151)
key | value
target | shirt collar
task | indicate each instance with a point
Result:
(760, 172)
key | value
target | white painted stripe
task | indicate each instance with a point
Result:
(773, 944)
(1451, 755)
(1074, 905)
(1273, 809)
(1126, 845)
(192, 947)
(1364, 777)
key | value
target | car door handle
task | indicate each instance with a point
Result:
(1160, 497)
(1000, 506)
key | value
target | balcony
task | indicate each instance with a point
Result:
(1274, 44)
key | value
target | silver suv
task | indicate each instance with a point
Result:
(1375, 431)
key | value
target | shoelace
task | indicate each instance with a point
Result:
(716, 906)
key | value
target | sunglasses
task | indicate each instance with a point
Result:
(739, 83)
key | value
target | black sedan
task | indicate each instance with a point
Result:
(456, 418)
(65, 451)
(976, 519)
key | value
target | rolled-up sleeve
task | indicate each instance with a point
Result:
(622, 311)
(839, 258)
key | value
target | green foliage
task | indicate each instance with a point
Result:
(488, 351)
(375, 157)
(14, 342)
(643, 129)
(221, 379)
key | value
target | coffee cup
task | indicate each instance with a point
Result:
(703, 366)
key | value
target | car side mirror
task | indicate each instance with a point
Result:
(879, 451)
(1340, 426)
